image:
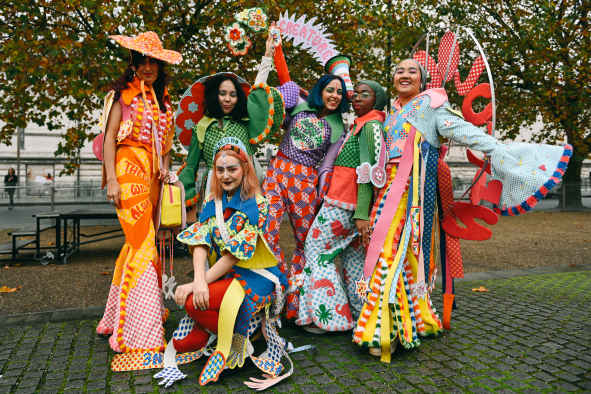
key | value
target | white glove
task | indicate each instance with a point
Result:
(170, 375)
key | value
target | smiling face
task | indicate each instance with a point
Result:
(332, 95)
(364, 99)
(407, 80)
(228, 96)
(228, 172)
(147, 70)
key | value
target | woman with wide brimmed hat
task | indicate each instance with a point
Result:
(222, 105)
(328, 298)
(137, 123)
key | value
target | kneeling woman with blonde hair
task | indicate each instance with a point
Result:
(234, 297)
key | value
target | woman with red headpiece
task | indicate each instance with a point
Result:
(228, 302)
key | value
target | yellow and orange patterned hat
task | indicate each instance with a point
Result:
(149, 44)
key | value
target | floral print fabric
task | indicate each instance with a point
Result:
(242, 232)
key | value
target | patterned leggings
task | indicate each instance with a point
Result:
(290, 187)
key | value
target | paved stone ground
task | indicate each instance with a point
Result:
(525, 335)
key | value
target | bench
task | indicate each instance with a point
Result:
(21, 244)
(14, 246)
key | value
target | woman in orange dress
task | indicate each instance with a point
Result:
(137, 141)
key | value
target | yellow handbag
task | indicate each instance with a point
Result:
(171, 214)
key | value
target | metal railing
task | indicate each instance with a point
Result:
(566, 195)
(52, 194)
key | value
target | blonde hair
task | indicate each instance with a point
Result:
(249, 187)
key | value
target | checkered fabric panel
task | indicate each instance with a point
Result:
(214, 134)
(110, 320)
(143, 321)
(349, 154)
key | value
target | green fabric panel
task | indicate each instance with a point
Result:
(370, 139)
(364, 154)
(364, 192)
(349, 156)
(258, 112)
(335, 120)
(302, 107)
(214, 134)
(336, 124)
(201, 127)
(189, 173)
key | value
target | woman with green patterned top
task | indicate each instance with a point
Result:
(328, 301)
(224, 105)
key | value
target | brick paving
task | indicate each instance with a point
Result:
(525, 335)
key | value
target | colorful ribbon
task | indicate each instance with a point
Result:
(395, 192)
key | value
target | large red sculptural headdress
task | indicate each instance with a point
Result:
(446, 69)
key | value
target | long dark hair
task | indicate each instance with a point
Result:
(212, 107)
(161, 82)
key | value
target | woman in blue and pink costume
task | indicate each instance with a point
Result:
(400, 269)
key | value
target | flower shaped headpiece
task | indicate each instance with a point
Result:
(235, 34)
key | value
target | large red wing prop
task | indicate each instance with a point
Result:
(480, 118)
(466, 213)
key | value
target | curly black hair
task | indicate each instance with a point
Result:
(212, 107)
(159, 85)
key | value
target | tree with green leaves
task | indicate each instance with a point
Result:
(540, 55)
(57, 59)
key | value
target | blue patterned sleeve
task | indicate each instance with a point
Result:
(197, 234)
(527, 171)
(451, 125)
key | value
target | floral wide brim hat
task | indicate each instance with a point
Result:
(149, 44)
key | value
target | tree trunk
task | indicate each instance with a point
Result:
(571, 181)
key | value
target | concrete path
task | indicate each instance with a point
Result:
(525, 335)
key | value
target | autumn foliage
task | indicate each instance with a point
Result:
(57, 60)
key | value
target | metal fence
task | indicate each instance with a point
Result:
(54, 194)
(570, 196)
